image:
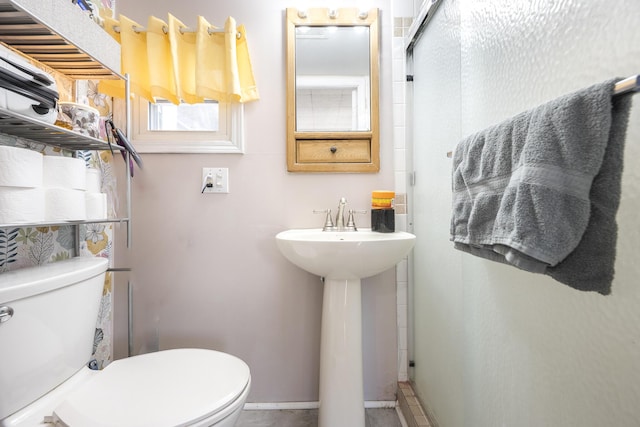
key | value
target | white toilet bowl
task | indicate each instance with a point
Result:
(46, 331)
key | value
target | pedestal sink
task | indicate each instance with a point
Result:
(342, 258)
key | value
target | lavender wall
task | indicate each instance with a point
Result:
(207, 272)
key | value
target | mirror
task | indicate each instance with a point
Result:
(332, 90)
(332, 79)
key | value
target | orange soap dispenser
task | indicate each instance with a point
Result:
(383, 217)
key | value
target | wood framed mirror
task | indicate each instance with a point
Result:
(332, 90)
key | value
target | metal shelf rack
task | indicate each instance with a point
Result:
(61, 36)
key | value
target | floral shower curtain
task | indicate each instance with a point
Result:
(172, 62)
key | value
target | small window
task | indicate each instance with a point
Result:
(208, 127)
(163, 115)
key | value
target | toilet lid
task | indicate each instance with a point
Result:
(167, 388)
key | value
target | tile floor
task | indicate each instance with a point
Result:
(309, 418)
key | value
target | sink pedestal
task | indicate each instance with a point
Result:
(342, 258)
(341, 388)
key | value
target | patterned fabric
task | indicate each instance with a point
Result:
(30, 246)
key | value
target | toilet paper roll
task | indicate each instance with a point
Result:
(21, 205)
(20, 167)
(94, 181)
(64, 172)
(64, 204)
(96, 205)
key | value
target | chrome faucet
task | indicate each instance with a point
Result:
(340, 215)
(339, 224)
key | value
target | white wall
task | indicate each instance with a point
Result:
(496, 346)
(207, 272)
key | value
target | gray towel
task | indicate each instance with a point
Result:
(540, 191)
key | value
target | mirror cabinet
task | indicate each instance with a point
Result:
(332, 90)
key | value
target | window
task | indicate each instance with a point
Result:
(209, 127)
(163, 115)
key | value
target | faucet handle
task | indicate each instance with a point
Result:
(328, 222)
(351, 223)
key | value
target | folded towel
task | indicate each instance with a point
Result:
(540, 191)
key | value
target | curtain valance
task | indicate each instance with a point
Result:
(172, 62)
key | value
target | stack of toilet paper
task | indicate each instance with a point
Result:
(36, 188)
(22, 198)
(65, 181)
(96, 200)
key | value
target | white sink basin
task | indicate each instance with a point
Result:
(344, 255)
(342, 258)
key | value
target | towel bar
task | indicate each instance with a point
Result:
(630, 84)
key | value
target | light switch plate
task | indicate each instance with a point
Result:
(219, 177)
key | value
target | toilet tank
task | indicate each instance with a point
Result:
(49, 337)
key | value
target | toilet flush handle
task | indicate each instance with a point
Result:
(5, 313)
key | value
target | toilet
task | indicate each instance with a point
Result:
(47, 323)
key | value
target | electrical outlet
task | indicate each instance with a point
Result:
(215, 180)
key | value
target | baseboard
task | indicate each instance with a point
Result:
(403, 421)
(377, 404)
(265, 406)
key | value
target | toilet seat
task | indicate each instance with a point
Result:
(169, 388)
